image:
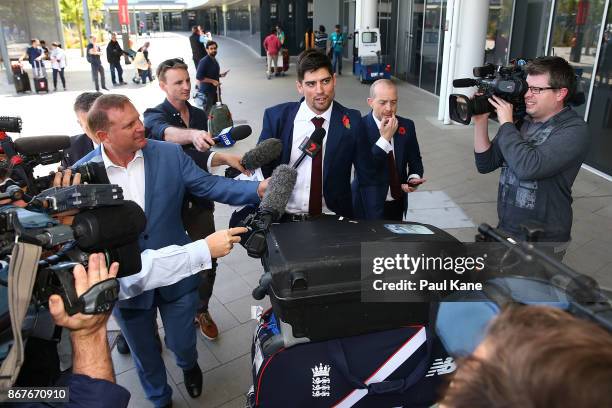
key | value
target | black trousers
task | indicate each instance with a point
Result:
(95, 71)
(199, 223)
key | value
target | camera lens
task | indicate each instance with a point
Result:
(463, 109)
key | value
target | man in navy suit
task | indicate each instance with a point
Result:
(393, 147)
(157, 175)
(81, 144)
(323, 183)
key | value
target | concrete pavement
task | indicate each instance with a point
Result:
(449, 167)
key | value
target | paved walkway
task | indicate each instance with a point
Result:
(449, 166)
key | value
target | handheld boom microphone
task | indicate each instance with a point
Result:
(464, 82)
(29, 146)
(229, 136)
(262, 154)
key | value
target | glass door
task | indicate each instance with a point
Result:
(413, 75)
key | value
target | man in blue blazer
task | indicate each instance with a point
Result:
(157, 175)
(393, 147)
(323, 183)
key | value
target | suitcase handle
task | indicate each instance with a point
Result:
(336, 351)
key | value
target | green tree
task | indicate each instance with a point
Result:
(72, 13)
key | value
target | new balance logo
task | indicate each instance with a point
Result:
(442, 367)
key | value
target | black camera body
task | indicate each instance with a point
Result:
(506, 82)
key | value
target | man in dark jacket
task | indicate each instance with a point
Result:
(81, 144)
(197, 48)
(113, 55)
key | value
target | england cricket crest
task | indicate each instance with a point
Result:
(320, 381)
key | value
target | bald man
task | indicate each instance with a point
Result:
(395, 155)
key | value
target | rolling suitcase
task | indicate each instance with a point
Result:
(399, 367)
(315, 282)
(282, 62)
(21, 79)
(39, 73)
(219, 116)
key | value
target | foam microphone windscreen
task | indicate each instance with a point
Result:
(128, 257)
(279, 189)
(262, 154)
(32, 145)
(464, 82)
(108, 227)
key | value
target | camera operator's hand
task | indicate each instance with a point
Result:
(91, 352)
(82, 324)
(201, 140)
(63, 178)
(388, 127)
(504, 110)
(220, 243)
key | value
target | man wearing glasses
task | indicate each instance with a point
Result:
(540, 160)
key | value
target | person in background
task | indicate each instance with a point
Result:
(33, 53)
(321, 39)
(58, 63)
(197, 47)
(208, 75)
(272, 45)
(145, 70)
(337, 40)
(280, 34)
(43, 45)
(114, 52)
(93, 57)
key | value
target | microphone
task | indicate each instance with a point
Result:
(33, 145)
(262, 154)
(10, 124)
(464, 82)
(109, 227)
(230, 135)
(311, 146)
(271, 209)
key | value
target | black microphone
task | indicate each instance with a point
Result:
(262, 154)
(230, 136)
(109, 227)
(30, 146)
(464, 82)
(311, 146)
(271, 209)
(10, 124)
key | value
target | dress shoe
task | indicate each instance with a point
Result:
(122, 346)
(193, 381)
(208, 328)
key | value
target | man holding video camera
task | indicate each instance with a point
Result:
(539, 161)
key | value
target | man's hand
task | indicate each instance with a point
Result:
(503, 108)
(82, 325)
(388, 127)
(214, 82)
(231, 160)
(263, 186)
(63, 178)
(201, 140)
(220, 243)
(412, 185)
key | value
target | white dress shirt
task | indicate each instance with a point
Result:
(160, 267)
(303, 128)
(388, 147)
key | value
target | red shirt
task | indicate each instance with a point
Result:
(271, 44)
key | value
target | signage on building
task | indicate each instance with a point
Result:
(123, 13)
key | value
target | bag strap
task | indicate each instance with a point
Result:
(338, 356)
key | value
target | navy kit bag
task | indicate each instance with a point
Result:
(402, 367)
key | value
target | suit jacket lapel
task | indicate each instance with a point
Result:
(334, 137)
(399, 147)
(151, 166)
(372, 128)
(287, 133)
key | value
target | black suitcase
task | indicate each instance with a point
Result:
(399, 367)
(22, 82)
(315, 271)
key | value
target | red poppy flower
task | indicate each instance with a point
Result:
(346, 122)
(402, 130)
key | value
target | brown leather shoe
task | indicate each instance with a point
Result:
(208, 328)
